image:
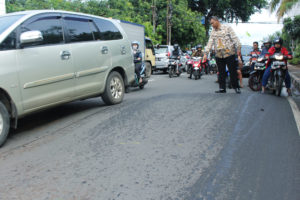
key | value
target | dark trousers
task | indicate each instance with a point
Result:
(138, 70)
(231, 64)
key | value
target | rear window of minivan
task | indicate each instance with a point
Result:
(108, 31)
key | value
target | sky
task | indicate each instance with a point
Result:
(250, 32)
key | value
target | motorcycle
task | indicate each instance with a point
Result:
(189, 64)
(145, 79)
(255, 78)
(278, 73)
(173, 65)
(205, 66)
(197, 67)
(213, 66)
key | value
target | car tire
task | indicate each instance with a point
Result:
(114, 89)
(4, 123)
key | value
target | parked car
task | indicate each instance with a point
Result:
(163, 52)
(52, 57)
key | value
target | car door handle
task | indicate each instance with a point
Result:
(65, 55)
(104, 50)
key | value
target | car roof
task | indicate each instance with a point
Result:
(35, 12)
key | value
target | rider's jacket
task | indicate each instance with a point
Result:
(175, 53)
(198, 54)
(273, 50)
(254, 55)
(264, 51)
(137, 54)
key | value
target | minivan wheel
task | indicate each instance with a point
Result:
(114, 89)
(4, 123)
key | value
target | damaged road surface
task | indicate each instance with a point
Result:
(174, 140)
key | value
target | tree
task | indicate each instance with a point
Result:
(228, 10)
(283, 6)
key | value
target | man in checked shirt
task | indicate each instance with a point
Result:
(226, 45)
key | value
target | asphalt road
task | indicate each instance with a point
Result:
(174, 140)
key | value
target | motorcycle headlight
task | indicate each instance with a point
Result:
(195, 65)
(260, 59)
(279, 57)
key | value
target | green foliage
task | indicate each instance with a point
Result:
(228, 10)
(291, 37)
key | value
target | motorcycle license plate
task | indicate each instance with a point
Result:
(280, 63)
(260, 64)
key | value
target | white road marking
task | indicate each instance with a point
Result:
(296, 112)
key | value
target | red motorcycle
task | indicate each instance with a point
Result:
(197, 67)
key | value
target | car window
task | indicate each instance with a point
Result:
(50, 27)
(7, 21)
(108, 31)
(79, 29)
(10, 42)
(161, 50)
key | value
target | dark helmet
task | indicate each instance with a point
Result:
(278, 41)
(175, 46)
(199, 46)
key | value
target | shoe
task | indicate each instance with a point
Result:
(288, 90)
(220, 91)
(237, 90)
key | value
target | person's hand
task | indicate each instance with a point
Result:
(204, 57)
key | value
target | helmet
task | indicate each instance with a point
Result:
(278, 41)
(135, 42)
(267, 41)
(199, 46)
(175, 46)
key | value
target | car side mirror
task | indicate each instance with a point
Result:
(31, 37)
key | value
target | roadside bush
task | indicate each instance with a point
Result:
(296, 59)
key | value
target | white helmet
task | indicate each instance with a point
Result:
(135, 42)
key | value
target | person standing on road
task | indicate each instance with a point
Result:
(226, 44)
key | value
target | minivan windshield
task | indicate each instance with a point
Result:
(7, 21)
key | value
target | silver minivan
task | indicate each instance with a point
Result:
(52, 57)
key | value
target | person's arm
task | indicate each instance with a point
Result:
(235, 40)
(209, 45)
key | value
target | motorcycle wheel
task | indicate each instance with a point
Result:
(171, 72)
(141, 86)
(254, 82)
(278, 83)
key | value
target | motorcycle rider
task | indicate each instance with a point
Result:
(277, 48)
(137, 54)
(254, 55)
(198, 52)
(267, 45)
(176, 55)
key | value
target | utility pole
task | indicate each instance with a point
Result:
(169, 22)
(154, 15)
